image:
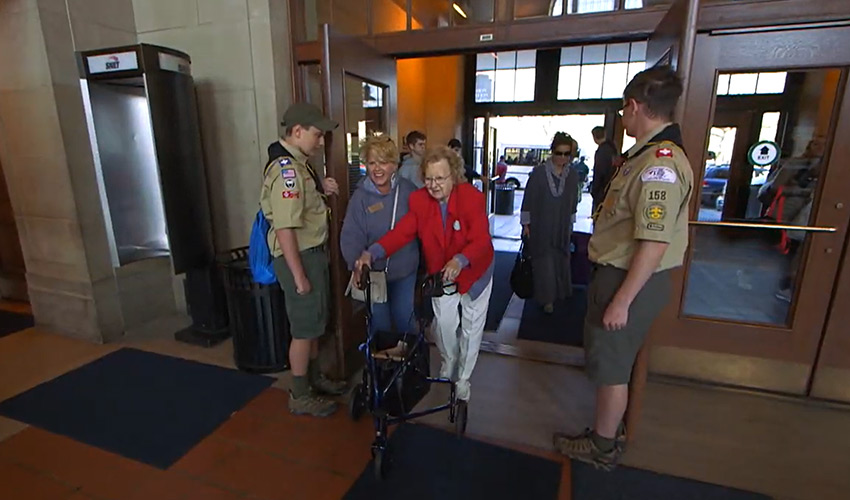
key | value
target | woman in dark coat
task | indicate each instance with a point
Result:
(548, 208)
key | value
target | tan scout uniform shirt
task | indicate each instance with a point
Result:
(646, 200)
(290, 200)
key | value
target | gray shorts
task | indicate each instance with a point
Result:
(610, 355)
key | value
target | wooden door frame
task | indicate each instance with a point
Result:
(758, 346)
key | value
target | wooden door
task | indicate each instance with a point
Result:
(755, 299)
(356, 86)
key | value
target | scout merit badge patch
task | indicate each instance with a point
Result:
(659, 174)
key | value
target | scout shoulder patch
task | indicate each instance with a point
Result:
(291, 195)
(284, 161)
(655, 212)
(664, 153)
(288, 173)
(289, 184)
(659, 174)
(654, 226)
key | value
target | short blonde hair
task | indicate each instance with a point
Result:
(438, 153)
(382, 146)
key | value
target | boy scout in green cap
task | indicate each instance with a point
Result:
(640, 234)
(293, 200)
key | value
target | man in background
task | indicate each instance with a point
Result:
(409, 169)
(603, 165)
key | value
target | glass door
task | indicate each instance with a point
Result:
(769, 222)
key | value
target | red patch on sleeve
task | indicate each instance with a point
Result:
(291, 195)
(664, 153)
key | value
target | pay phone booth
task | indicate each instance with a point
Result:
(143, 123)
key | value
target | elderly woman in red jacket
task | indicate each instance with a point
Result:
(449, 217)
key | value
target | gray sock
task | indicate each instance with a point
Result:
(300, 386)
(604, 444)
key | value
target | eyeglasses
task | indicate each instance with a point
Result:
(436, 180)
(562, 153)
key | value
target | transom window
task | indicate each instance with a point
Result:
(599, 71)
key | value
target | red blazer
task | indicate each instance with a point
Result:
(467, 232)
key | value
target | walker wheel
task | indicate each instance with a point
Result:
(357, 403)
(461, 414)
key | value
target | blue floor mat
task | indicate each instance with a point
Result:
(627, 483)
(143, 406)
(428, 464)
(11, 322)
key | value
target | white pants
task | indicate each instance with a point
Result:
(462, 354)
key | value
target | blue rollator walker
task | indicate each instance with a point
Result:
(397, 374)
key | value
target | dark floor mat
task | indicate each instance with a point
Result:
(144, 406)
(501, 295)
(11, 322)
(564, 326)
(430, 464)
(627, 483)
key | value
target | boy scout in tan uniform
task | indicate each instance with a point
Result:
(640, 234)
(293, 200)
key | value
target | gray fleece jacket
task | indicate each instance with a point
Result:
(368, 218)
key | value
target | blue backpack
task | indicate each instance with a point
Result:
(259, 255)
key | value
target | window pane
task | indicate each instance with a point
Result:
(743, 83)
(771, 83)
(615, 80)
(769, 126)
(506, 60)
(723, 85)
(587, 6)
(505, 81)
(526, 9)
(484, 86)
(570, 55)
(427, 14)
(591, 81)
(634, 69)
(388, 16)
(638, 52)
(485, 61)
(568, 80)
(617, 52)
(472, 12)
(634, 4)
(593, 54)
(524, 84)
(526, 59)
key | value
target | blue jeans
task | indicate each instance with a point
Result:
(397, 311)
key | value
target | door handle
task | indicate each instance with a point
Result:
(755, 225)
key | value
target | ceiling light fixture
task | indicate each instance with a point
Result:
(459, 10)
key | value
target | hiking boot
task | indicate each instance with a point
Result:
(328, 387)
(619, 441)
(583, 449)
(311, 404)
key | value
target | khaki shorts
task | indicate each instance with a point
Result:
(610, 355)
(308, 314)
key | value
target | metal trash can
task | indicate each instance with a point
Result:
(258, 322)
(504, 192)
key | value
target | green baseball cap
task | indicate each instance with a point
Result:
(305, 114)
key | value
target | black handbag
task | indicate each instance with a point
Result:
(522, 280)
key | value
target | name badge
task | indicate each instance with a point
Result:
(376, 207)
(456, 225)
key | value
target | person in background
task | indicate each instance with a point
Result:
(468, 171)
(380, 201)
(501, 170)
(603, 165)
(550, 200)
(416, 144)
(450, 219)
(641, 234)
(293, 200)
